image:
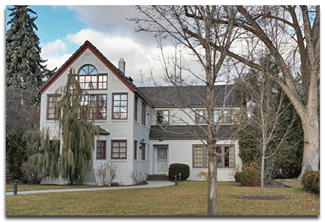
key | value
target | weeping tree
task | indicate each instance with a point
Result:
(77, 130)
(43, 155)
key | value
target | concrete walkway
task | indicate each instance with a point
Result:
(151, 184)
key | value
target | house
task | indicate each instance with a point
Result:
(143, 129)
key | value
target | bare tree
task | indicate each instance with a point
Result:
(173, 22)
(269, 125)
(291, 36)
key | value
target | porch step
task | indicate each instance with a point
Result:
(157, 177)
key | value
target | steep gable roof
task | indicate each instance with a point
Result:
(91, 47)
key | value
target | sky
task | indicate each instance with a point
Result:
(63, 29)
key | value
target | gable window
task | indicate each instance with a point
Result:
(97, 104)
(135, 108)
(143, 119)
(120, 106)
(163, 117)
(52, 100)
(89, 78)
(118, 149)
(101, 149)
(225, 160)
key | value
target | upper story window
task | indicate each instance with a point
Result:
(143, 114)
(51, 105)
(120, 106)
(89, 78)
(220, 116)
(163, 117)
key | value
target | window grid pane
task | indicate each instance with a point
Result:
(89, 78)
(120, 106)
(52, 101)
(119, 149)
(101, 149)
(198, 156)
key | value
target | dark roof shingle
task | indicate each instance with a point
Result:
(189, 96)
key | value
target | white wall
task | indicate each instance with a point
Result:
(180, 151)
(118, 129)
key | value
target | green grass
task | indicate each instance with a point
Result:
(188, 198)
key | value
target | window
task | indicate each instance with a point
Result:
(55, 146)
(51, 103)
(97, 104)
(221, 116)
(118, 149)
(143, 119)
(201, 156)
(135, 108)
(199, 116)
(101, 149)
(89, 78)
(163, 117)
(143, 151)
(135, 149)
(120, 106)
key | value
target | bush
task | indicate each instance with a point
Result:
(176, 168)
(310, 181)
(31, 173)
(238, 177)
(250, 177)
(106, 173)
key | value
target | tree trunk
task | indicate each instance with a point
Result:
(212, 185)
(262, 170)
(311, 156)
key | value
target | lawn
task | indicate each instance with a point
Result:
(188, 198)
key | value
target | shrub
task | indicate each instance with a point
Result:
(176, 168)
(238, 177)
(310, 181)
(252, 165)
(250, 177)
(203, 175)
(31, 173)
(106, 173)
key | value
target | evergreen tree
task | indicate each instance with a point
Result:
(23, 60)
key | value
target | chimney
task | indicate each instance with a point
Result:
(121, 65)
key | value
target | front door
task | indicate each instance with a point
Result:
(161, 159)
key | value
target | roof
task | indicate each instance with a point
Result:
(102, 131)
(88, 45)
(189, 96)
(189, 132)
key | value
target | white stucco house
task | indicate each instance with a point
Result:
(143, 129)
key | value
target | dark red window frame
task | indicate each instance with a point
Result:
(143, 151)
(135, 108)
(100, 80)
(116, 151)
(135, 149)
(99, 105)
(118, 105)
(48, 106)
(143, 119)
(101, 150)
